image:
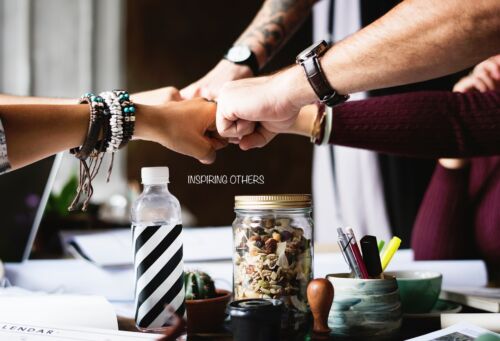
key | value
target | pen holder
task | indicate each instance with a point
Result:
(365, 308)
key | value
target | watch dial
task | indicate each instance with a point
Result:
(238, 54)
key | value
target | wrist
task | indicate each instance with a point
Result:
(304, 124)
(145, 122)
(236, 71)
(293, 87)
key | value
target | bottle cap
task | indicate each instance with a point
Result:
(154, 175)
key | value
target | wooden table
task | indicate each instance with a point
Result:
(412, 327)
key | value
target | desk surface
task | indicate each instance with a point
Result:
(412, 327)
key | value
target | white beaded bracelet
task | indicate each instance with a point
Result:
(115, 120)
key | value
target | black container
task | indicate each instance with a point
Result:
(256, 319)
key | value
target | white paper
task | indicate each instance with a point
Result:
(38, 332)
(493, 293)
(73, 310)
(487, 321)
(72, 276)
(465, 331)
(110, 248)
(114, 248)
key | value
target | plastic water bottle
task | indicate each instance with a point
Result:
(158, 254)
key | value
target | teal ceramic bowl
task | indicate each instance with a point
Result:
(419, 290)
(364, 309)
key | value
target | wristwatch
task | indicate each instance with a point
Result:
(242, 55)
(309, 59)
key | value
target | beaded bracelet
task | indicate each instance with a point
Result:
(122, 121)
(128, 116)
(114, 139)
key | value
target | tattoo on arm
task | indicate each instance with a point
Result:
(274, 24)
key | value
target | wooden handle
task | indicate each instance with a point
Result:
(320, 297)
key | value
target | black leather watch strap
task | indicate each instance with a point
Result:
(320, 84)
(251, 62)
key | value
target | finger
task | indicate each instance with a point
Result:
(258, 139)
(217, 142)
(208, 157)
(464, 85)
(175, 95)
(480, 85)
(190, 91)
(493, 69)
(207, 93)
(225, 126)
(487, 79)
(234, 140)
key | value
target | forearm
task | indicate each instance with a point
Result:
(416, 41)
(13, 99)
(276, 21)
(34, 132)
(420, 124)
(443, 227)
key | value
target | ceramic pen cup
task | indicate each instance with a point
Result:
(364, 309)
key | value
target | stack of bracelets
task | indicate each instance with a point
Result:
(111, 127)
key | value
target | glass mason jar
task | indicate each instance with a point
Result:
(273, 252)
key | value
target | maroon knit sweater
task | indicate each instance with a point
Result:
(422, 124)
(460, 214)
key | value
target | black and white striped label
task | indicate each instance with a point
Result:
(159, 274)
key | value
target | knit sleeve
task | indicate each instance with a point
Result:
(422, 124)
(443, 227)
(4, 161)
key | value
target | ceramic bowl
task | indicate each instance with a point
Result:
(419, 290)
(364, 309)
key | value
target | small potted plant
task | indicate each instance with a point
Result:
(205, 305)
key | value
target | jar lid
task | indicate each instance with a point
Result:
(255, 307)
(275, 201)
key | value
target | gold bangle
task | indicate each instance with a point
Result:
(320, 116)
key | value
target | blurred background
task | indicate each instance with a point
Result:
(62, 48)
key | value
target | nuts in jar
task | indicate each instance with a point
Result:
(273, 250)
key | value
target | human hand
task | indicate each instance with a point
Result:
(209, 86)
(157, 97)
(485, 76)
(267, 100)
(186, 127)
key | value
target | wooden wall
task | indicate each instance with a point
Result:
(175, 43)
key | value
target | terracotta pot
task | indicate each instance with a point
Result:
(207, 315)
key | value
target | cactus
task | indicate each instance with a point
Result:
(198, 285)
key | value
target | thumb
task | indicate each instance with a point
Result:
(191, 91)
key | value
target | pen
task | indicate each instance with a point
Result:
(357, 254)
(344, 255)
(381, 244)
(371, 256)
(344, 243)
(389, 251)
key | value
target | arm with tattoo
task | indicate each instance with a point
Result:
(273, 25)
(276, 21)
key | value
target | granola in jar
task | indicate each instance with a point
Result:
(273, 255)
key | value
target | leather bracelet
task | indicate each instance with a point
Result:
(97, 120)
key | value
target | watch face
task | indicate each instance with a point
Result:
(314, 50)
(238, 54)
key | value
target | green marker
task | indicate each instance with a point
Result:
(380, 245)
